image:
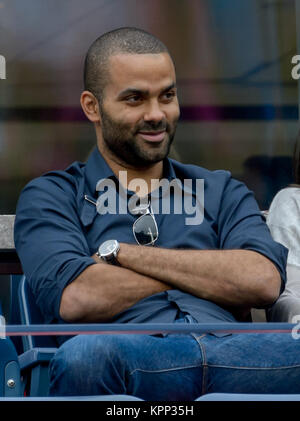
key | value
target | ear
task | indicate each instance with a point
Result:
(90, 106)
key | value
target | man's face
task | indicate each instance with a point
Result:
(140, 109)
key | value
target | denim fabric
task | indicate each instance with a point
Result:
(176, 367)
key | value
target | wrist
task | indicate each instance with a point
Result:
(123, 253)
(129, 255)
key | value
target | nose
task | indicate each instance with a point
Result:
(154, 112)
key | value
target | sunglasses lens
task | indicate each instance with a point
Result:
(145, 230)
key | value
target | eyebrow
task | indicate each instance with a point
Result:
(130, 91)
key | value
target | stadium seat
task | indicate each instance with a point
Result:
(10, 380)
(35, 351)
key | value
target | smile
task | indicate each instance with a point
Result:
(153, 136)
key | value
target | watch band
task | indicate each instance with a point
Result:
(112, 259)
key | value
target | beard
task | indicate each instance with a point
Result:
(122, 140)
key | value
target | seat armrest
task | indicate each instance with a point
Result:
(36, 356)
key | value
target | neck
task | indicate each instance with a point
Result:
(150, 174)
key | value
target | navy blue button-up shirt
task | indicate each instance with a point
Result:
(57, 231)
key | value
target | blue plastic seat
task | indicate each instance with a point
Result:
(10, 380)
(35, 352)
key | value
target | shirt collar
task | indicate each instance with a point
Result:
(168, 171)
(97, 168)
(170, 174)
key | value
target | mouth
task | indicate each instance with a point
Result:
(153, 136)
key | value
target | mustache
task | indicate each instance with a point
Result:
(151, 126)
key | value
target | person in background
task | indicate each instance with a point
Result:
(283, 220)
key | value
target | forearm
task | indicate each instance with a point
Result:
(240, 278)
(103, 290)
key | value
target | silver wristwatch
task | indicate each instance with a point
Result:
(108, 251)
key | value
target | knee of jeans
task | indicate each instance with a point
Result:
(68, 358)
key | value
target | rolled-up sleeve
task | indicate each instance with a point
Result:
(49, 240)
(241, 226)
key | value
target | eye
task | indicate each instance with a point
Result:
(133, 99)
(168, 96)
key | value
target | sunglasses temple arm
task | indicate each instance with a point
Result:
(90, 200)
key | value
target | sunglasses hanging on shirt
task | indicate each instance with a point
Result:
(144, 229)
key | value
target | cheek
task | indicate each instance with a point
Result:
(173, 113)
(129, 119)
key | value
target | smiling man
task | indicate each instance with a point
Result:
(138, 122)
(145, 267)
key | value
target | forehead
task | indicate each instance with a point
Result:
(140, 71)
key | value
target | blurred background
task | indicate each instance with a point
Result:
(239, 103)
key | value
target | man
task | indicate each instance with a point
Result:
(88, 265)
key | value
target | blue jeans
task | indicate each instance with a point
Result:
(176, 366)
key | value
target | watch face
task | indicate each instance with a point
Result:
(108, 248)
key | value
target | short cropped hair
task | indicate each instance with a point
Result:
(127, 40)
